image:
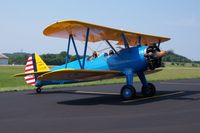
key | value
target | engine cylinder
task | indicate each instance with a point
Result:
(152, 57)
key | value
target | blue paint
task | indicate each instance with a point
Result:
(139, 40)
(85, 49)
(142, 78)
(128, 61)
(125, 40)
(132, 58)
(54, 82)
(111, 47)
(129, 76)
(99, 63)
(77, 55)
(127, 93)
(67, 52)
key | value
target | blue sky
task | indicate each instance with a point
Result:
(22, 22)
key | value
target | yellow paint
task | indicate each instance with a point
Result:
(97, 33)
(41, 66)
(25, 74)
(79, 75)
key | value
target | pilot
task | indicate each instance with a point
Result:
(94, 54)
(111, 52)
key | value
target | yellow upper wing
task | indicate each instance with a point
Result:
(97, 33)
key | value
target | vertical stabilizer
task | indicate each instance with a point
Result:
(34, 64)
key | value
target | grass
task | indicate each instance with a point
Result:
(6, 76)
(10, 83)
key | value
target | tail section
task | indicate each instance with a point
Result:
(30, 79)
(34, 67)
(40, 65)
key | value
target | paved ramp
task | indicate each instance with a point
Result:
(99, 109)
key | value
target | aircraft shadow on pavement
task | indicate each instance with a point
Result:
(52, 92)
(116, 99)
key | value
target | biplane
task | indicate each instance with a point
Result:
(140, 53)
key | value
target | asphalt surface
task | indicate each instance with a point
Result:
(99, 109)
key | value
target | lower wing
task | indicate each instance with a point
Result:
(79, 75)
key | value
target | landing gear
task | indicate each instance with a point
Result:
(38, 90)
(128, 92)
(149, 90)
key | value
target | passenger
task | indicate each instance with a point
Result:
(94, 55)
(111, 52)
(105, 54)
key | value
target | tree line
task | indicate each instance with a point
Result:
(58, 59)
(173, 57)
(49, 59)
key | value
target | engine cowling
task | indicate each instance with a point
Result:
(154, 56)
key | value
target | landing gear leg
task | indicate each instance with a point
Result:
(148, 89)
(128, 92)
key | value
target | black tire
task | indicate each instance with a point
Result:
(128, 92)
(149, 90)
(39, 90)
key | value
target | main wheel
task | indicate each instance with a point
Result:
(38, 90)
(128, 92)
(149, 90)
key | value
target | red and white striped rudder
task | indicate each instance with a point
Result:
(30, 79)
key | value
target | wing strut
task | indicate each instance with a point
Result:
(125, 40)
(82, 65)
(77, 55)
(116, 51)
(85, 50)
(111, 47)
(67, 53)
(159, 44)
(139, 40)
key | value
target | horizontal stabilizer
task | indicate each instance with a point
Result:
(25, 74)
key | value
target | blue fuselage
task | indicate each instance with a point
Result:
(132, 58)
(129, 60)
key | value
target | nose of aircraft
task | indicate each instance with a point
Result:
(154, 56)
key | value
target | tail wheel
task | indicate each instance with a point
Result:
(39, 90)
(128, 92)
(149, 90)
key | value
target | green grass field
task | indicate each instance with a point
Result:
(10, 83)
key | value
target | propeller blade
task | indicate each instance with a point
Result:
(162, 53)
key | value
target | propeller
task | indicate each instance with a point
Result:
(161, 54)
(154, 56)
